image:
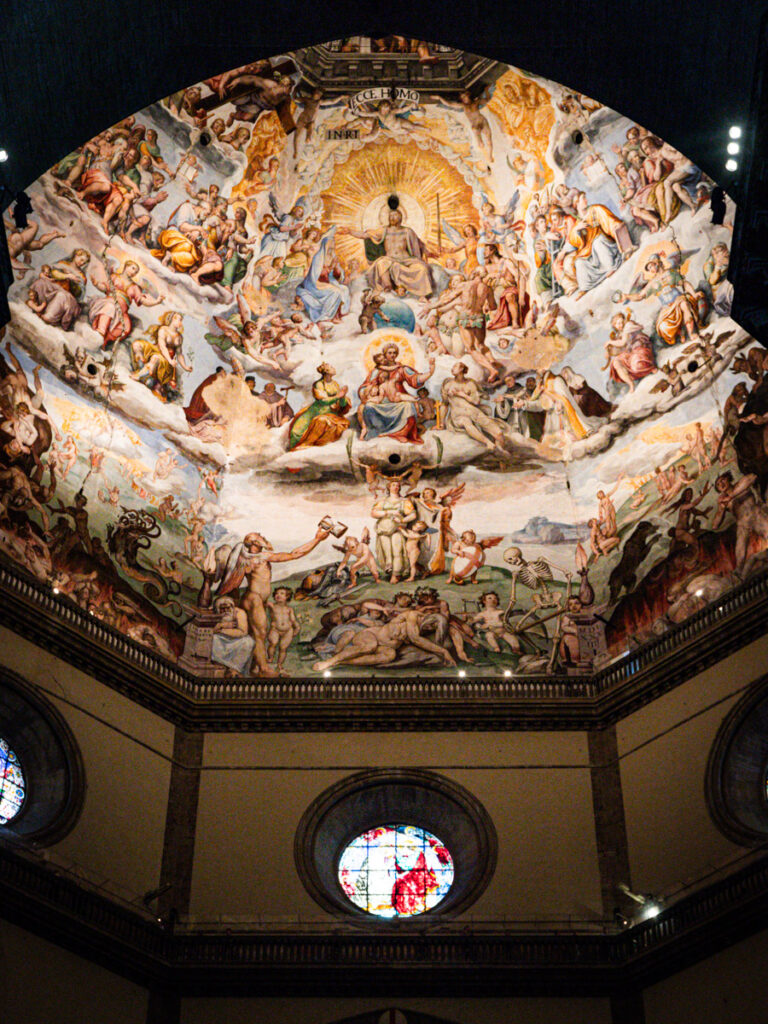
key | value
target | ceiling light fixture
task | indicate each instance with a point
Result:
(731, 165)
(734, 131)
(3, 155)
(733, 148)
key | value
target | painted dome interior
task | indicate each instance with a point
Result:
(379, 357)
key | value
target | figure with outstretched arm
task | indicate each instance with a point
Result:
(251, 562)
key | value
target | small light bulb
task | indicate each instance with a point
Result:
(734, 131)
(3, 155)
(462, 673)
(327, 673)
(507, 672)
(731, 165)
(652, 910)
(55, 590)
(733, 148)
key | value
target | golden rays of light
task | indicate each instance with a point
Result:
(360, 186)
(526, 113)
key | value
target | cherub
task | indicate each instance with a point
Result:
(361, 552)
(489, 622)
(413, 539)
(111, 496)
(284, 625)
(431, 330)
(372, 301)
(469, 556)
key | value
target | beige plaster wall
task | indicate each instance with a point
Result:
(664, 747)
(535, 786)
(725, 989)
(118, 839)
(43, 984)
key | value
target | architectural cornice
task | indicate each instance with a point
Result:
(389, 703)
(433, 961)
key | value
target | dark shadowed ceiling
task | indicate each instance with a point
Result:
(683, 70)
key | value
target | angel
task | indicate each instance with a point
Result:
(280, 228)
(212, 478)
(536, 576)
(250, 336)
(469, 556)
(386, 116)
(305, 122)
(108, 315)
(478, 123)
(437, 513)
(360, 551)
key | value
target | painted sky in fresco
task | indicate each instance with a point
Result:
(311, 375)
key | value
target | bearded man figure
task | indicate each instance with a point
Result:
(397, 257)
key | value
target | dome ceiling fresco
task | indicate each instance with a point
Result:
(379, 357)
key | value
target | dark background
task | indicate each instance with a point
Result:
(69, 69)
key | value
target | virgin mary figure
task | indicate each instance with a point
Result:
(323, 298)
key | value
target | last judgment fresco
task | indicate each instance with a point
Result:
(380, 357)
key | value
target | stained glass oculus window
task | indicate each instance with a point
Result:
(396, 871)
(12, 785)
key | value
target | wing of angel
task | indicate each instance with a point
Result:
(453, 494)
(509, 209)
(228, 566)
(490, 542)
(229, 329)
(661, 386)
(365, 536)
(237, 366)
(451, 232)
(371, 475)
(274, 207)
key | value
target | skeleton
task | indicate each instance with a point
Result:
(536, 576)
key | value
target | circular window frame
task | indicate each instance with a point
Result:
(736, 778)
(51, 762)
(375, 797)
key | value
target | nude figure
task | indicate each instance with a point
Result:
(478, 123)
(379, 645)
(360, 551)
(252, 564)
(489, 622)
(284, 626)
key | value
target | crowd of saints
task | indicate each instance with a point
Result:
(300, 381)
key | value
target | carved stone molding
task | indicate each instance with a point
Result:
(388, 703)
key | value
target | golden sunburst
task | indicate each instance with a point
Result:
(360, 187)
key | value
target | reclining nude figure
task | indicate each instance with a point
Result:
(380, 645)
